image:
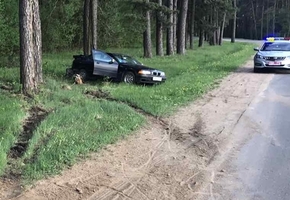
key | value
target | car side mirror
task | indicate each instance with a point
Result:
(112, 61)
(256, 49)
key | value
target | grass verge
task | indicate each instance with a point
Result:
(74, 130)
(189, 77)
(11, 117)
(77, 124)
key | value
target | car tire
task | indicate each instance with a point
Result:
(129, 77)
(83, 73)
(69, 73)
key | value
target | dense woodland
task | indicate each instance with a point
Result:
(170, 26)
(122, 22)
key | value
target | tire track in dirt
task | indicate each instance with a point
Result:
(167, 159)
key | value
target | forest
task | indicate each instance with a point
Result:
(122, 22)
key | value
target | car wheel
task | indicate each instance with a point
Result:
(83, 73)
(129, 77)
(69, 73)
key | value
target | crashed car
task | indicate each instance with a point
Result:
(117, 66)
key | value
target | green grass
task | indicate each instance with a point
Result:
(75, 130)
(78, 124)
(189, 77)
(11, 116)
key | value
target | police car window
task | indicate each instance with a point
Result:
(276, 46)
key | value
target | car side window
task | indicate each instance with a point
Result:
(103, 57)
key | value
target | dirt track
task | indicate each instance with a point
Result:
(166, 160)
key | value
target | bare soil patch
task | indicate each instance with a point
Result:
(166, 159)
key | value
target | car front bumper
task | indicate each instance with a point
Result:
(150, 79)
(277, 64)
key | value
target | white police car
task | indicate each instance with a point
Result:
(274, 54)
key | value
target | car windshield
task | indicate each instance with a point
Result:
(276, 46)
(126, 59)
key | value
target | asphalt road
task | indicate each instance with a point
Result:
(259, 167)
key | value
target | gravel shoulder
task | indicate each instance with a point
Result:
(167, 159)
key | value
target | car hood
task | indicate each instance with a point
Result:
(274, 53)
(138, 67)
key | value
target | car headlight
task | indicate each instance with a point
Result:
(162, 74)
(144, 72)
(260, 56)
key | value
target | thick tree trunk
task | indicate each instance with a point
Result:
(27, 58)
(159, 32)
(180, 48)
(95, 23)
(87, 42)
(147, 36)
(37, 40)
(192, 20)
(234, 22)
(170, 35)
(222, 29)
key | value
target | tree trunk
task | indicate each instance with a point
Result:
(170, 34)
(174, 22)
(159, 32)
(191, 35)
(182, 27)
(288, 17)
(267, 18)
(94, 20)
(37, 40)
(234, 22)
(254, 20)
(217, 31)
(211, 33)
(187, 28)
(147, 36)
(222, 29)
(27, 59)
(262, 21)
(274, 17)
(87, 42)
(217, 35)
(201, 37)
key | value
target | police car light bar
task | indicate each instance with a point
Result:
(272, 39)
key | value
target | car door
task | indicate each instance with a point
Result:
(104, 64)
